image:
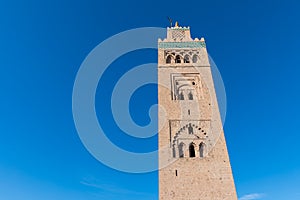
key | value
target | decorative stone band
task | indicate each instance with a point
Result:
(173, 45)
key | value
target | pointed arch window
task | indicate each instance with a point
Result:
(181, 150)
(177, 59)
(169, 59)
(186, 59)
(190, 95)
(181, 96)
(195, 58)
(192, 150)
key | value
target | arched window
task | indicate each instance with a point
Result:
(201, 149)
(177, 59)
(181, 96)
(181, 150)
(186, 59)
(192, 150)
(190, 96)
(195, 58)
(169, 58)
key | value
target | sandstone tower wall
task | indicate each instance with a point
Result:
(193, 157)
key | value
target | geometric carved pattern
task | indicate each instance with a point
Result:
(186, 133)
(178, 34)
(186, 86)
(172, 45)
(185, 56)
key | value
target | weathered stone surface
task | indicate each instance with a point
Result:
(193, 127)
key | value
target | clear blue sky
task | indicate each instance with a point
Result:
(254, 43)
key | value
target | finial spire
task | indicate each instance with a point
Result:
(170, 20)
(176, 24)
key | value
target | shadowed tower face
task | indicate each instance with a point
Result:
(193, 157)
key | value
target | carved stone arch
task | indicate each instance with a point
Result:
(169, 59)
(187, 134)
(192, 150)
(183, 86)
(177, 136)
(202, 149)
(186, 59)
(195, 58)
(184, 128)
(190, 95)
(178, 58)
(181, 149)
(182, 91)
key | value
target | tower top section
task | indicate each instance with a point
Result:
(178, 33)
(180, 37)
(180, 49)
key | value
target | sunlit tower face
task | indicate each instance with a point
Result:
(193, 157)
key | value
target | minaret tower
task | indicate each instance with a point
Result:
(193, 157)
